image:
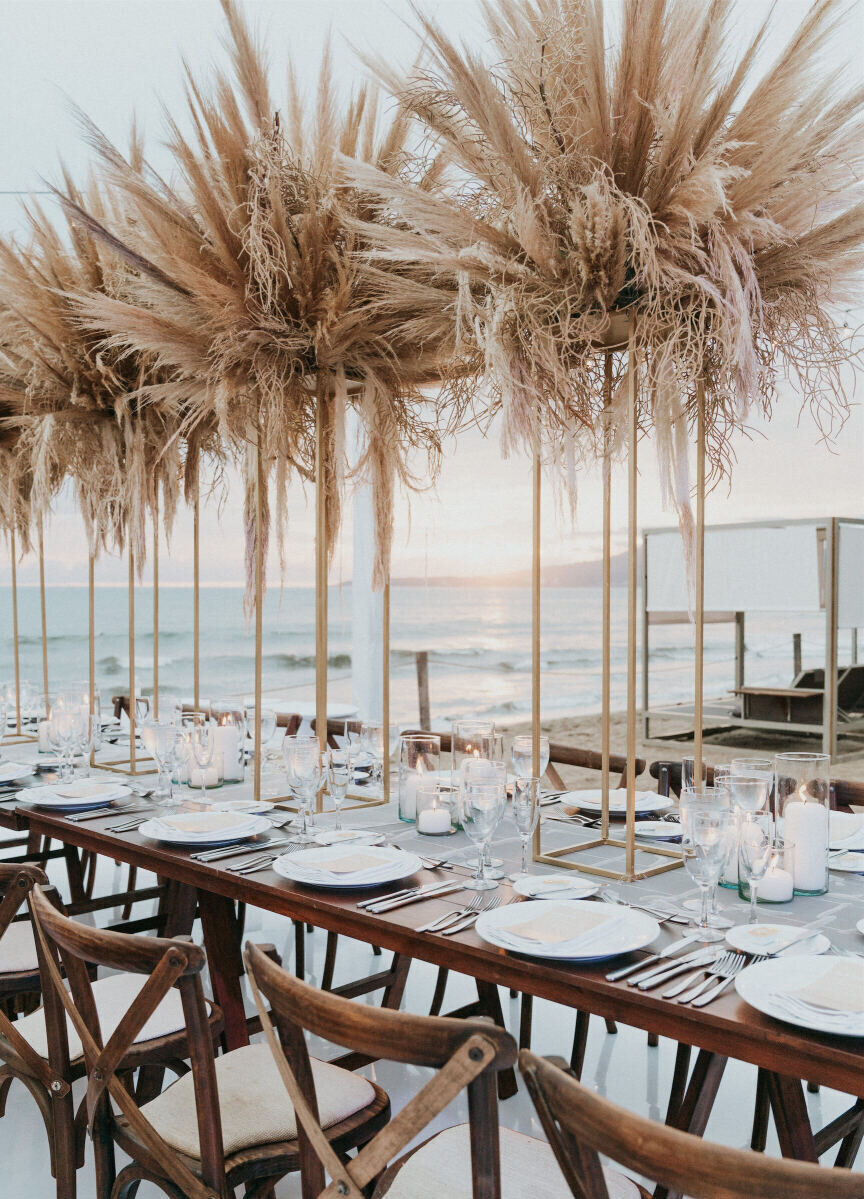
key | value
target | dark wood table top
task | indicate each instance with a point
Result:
(727, 1026)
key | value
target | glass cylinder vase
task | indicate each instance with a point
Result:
(419, 759)
(803, 796)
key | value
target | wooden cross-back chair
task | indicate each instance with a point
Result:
(223, 1124)
(581, 1127)
(467, 1055)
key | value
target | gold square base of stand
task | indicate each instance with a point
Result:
(124, 766)
(554, 857)
(20, 738)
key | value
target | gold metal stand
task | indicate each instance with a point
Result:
(259, 613)
(156, 607)
(621, 336)
(44, 613)
(19, 737)
(321, 554)
(700, 581)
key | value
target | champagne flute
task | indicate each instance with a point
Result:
(755, 851)
(340, 774)
(705, 825)
(482, 812)
(203, 747)
(526, 813)
(305, 769)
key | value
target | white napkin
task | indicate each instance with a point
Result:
(329, 865)
(204, 824)
(577, 928)
(84, 790)
(771, 938)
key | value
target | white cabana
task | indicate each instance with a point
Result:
(804, 566)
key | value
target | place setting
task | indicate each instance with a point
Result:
(80, 795)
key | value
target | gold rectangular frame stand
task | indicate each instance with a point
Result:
(621, 335)
(16, 738)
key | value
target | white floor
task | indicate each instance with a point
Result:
(621, 1067)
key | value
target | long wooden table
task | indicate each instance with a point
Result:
(727, 1028)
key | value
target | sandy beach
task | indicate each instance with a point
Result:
(584, 731)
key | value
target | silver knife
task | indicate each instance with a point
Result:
(668, 952)
(657, 977)
(445, 889)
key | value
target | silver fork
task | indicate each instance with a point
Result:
(686, 991)
(440, 922)
(265, 860)
(727, 976)
(469, 921)
(234, 851)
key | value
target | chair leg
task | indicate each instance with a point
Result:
(612, 1028)
(653, 1040)
(131, 880)
(761, 1114)
(679, 1081)
(490, 1002)
(851, 1143)
(526, 1012)
(299, 949)
(329, 961)
(440, 988)
(580, 1040)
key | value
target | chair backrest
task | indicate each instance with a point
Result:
(70, 945)
(336, 728)
(850, 688)
(587, 759)
(465, 1053)
(580, 1126)
(668, 776)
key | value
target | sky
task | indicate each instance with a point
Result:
(113, 58)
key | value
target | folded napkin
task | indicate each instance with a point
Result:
(84, 790)
(561, 925)
(353, 863)
(199, 823)
(771, 938)
(840, 989)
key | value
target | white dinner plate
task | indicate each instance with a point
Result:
(659, 830)
(100, 794)
(155, 830)
(549, 886)
(846, 830)
(629, 930)
(592, 801)
(300, 867)
(10, 771)
(759, 984)
(850, 863)
(771, 938)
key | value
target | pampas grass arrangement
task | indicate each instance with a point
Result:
(646, 177)
(250, 287)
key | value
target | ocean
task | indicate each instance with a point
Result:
(478, 641)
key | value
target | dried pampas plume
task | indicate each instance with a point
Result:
(719, 211)
(253, 291)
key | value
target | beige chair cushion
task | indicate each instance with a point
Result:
(114, 996)
(528, 1169)
(18, 949)
(253, 1101)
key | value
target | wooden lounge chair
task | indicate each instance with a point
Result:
(581, 1127)
(803, 701)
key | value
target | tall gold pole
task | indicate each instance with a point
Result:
(91, 636)
(700, 580)
(535, 630)
(320, 581)
(385, 687)
(156, 607)
(14, 552)
(196, 611)
(131, 659)
(44, 610)
(632, 385)
(606, 666)
(259, 604)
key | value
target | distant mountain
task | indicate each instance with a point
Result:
(574, 574)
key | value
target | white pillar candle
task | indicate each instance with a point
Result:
(226, 748)
(806, 830)
(408, 797)
(44, 743)
(211, 777)
(776, 886)
(434, 821)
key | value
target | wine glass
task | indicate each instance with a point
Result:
(749, 792)
(305, 770)
(689, 781)
(484, 770)
(61, 734)
(705, 826)
(161, 739)
(526, 813)
(203, 742)
(482, 811)
(522, 755)
(372, 742)
(340, 775)
(755, 850)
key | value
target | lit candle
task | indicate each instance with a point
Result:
(44, 743)
(776, 886)
(408, 798)
(226, 748)
(434, 821)
(806, 831)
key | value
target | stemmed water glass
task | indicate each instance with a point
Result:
(304, 767)
(63, 728)
(755, 850)
(522, 755)
(526, 813)
(162, 739)
(203, 744)
(340, 774)
(372, 742)
(482, 811)
(705, 825)
(689, 781)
